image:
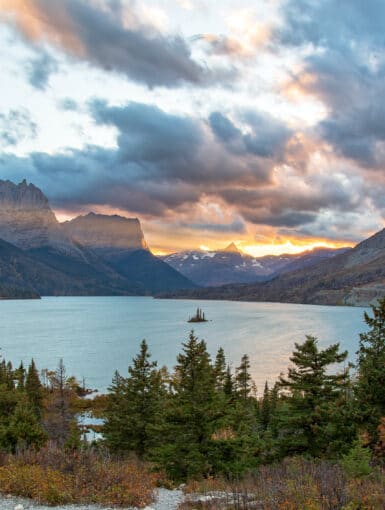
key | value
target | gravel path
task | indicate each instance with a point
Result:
(166, 500)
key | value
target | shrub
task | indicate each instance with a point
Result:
(55, 476)
(356, 463)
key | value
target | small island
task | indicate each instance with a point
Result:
(198, 317)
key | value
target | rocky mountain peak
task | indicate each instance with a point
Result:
(231, 248)
(27, 221)
(22, 197)
(104, 233)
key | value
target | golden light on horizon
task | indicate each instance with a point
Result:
(260, 250)
(290, 247)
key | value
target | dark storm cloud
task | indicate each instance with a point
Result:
(162, 161)
(39, 70)
(266, 136)
(164, 146)
(168, 146)
(346, 70)
(100, 36)
(16, 126)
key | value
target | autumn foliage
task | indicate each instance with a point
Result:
(54, 477)
(294, 484)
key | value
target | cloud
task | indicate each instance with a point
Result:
(266, 137)
(344, 67)
(162, 162)
(111, 36)
(39, 70)
(16, 126)
(238, 226)
(174, 166)
(68, 104)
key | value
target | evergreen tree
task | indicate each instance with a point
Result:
(228, 386)
(19, 376)
(220, 370)
(243, 381)
(192, 415)
(34, 389)
(24, 429)
(370, 389)
(312, 394)
(134, 411)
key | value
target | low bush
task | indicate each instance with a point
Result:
(54, 477)
(294, 484)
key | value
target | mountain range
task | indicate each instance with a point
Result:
(230, 265)
(98, 254)
(90, 255)
(354, 277)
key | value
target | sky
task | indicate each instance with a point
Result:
(255, 121)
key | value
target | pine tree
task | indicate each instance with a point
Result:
(19, 376)
(192, 414)
(228, 386)
(243, 379)
(370, 389)
(34, 389)
(24, 428)
(135, 409)
(220, 370)
(312, 394)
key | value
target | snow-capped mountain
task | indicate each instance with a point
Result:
(230, 265)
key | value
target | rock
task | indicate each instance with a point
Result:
(106, 234)
(27, 221)
(19, 507)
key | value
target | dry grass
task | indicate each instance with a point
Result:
(295, 484)
(55, 477)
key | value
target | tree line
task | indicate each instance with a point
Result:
(204, 419)
(36, 408)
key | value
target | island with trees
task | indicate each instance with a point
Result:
(198, 317)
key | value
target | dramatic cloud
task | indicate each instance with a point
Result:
(167, 164)
(109, 35)
(345, 70)
(266, 138)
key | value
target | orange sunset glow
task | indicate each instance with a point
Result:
(208, 129)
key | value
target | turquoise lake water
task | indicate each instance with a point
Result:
(98, 335)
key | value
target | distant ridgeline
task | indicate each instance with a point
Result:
(198, 317)
(355, 277)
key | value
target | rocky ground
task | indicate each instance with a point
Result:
(166, 500)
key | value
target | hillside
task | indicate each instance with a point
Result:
(355, 277)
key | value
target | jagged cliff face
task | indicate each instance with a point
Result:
(106, 234)
(27, 221)
(38, 255)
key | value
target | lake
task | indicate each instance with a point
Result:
(98, 335)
